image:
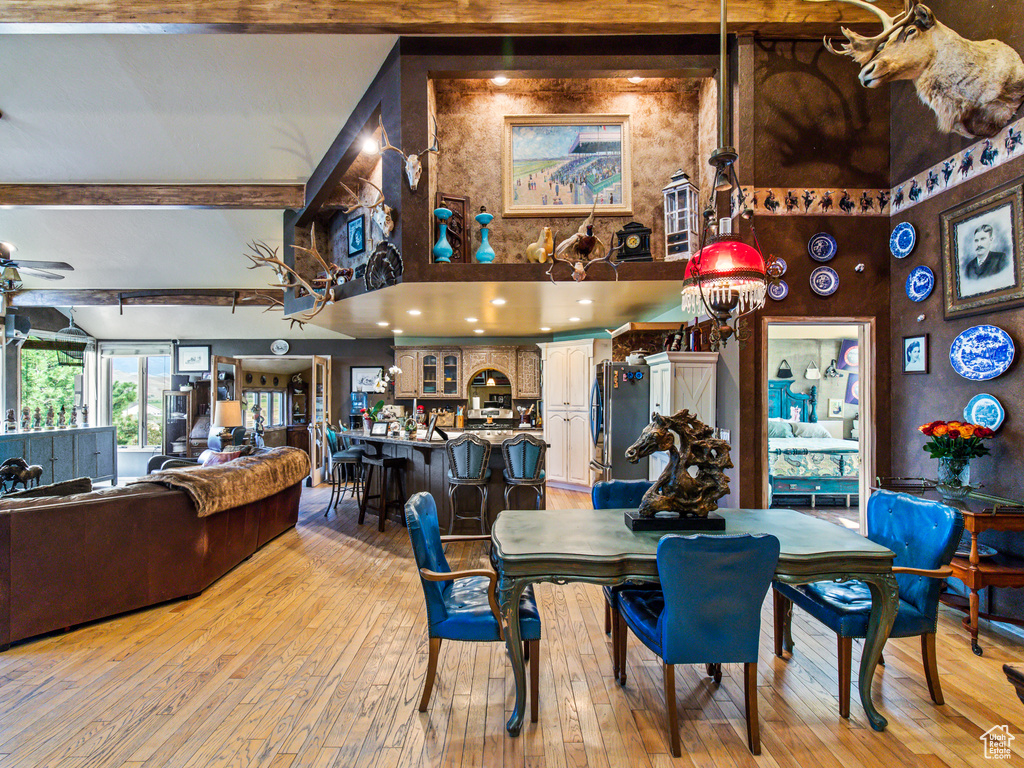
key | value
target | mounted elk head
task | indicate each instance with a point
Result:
(413, 164)
(974, 87)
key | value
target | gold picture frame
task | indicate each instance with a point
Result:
(547, 170)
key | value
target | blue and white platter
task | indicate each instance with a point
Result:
(824, 281)
(902, 239)
(778, 290)
(776, 267)
(984, 409)
(822, 247)
(920, 283)
(981, 353)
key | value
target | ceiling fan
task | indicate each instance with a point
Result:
(11, 269)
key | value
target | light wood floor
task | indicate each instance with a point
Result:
(312, 653)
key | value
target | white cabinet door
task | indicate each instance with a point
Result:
(578, 448)
(555, 372)
(693, 388)
(659, 460)
(580, 375)
(554, 434)
(659, 390)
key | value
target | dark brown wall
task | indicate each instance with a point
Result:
(813, 126)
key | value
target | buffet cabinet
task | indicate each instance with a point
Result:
(65, 454)
(443, 372)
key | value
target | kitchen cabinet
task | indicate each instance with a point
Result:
(682, 380)
(407, 382)
(527, 374)
(569, 369)
(442, 373)
(428, 374)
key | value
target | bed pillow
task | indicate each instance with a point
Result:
(779, 428)
(806, 429)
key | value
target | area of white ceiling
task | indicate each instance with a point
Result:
(193, 323)
(177, 108)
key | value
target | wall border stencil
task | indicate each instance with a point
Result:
(979, 158)
(801, 201)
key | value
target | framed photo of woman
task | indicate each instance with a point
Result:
(915, 353)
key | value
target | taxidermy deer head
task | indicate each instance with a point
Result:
(380, 212)
(973, 86)
(413, 164)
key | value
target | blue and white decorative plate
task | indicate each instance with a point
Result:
(822, 247)
(981, 353)
(776, 267)
(824, 281)
(920, 283)
(902, 239)
(778, 290)
(985, 410)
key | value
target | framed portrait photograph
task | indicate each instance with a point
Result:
(835, 408)
(915, 354)
(983, 253)
(357, 235)
(562, 165)
(192, 358)
(365, 380)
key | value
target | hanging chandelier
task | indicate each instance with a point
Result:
(726, 278)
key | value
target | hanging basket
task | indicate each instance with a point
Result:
(71, 343)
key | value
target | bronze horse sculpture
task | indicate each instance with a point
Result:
(690, 443)
(16, 471)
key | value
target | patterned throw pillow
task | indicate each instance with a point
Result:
(220, 457)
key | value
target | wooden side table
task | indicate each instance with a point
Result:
(977, 573)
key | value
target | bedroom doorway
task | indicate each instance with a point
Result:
(818, 437)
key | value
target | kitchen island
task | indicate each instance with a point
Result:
(426, 469)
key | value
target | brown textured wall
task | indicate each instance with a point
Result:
(664, 118)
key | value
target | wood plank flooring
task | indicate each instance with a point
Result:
(312, 654)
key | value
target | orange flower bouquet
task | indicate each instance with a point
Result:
(954, 444)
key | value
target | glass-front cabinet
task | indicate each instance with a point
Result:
(440, 372)
(428, 374)
(451, 372)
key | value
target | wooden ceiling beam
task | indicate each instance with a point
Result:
(166, 297)
(774, 18)
(248, 197)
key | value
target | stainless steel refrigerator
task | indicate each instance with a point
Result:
(619, 410)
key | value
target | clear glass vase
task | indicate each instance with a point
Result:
(954, 478)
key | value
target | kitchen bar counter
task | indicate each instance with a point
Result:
(427, 469)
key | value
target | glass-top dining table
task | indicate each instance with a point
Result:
(595, 546)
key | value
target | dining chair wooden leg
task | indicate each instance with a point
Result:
(670, 707)
(931, 667)
(778, 611)
(623, 636)
(845, 656)
(367, 484)
(428, 683)
(750, 700)
(607, 617)
(616, 639)
(526, 651)
(534, 680)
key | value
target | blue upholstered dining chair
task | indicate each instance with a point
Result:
(618, 494)
(924, 535)
(708, 611)
(343, 456)
(463, 605)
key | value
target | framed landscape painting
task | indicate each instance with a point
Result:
(561, 165)
(983, 253)
(364, 379)
(192, 358)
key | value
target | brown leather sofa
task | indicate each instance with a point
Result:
(69, 560)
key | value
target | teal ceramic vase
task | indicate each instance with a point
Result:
(442, 248)
(484, 254)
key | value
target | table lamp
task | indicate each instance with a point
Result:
(227, 416)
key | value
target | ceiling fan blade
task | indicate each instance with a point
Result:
(63, 265)
(33, 272)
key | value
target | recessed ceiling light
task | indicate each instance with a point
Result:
(478, 330)
(545, 328)
(383, 323)
(500, 80)
(415, 312)
(398, 330)
(584, 301)
(370, 146)
(635, 80)
(574, 319)
(497, 302)
(470, 319)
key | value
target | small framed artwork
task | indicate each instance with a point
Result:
(983, 253)
(192, 358)
(566, 165)
(356, 235)
(379, 428)
(365, 380)
(835, 408)
(915, 353)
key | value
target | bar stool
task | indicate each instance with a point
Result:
(343, 455)
(388, 468)
(468, 456)
(524, 466)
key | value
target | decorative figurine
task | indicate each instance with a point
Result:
(73, 420)
(49, 415)
(691, 497)
(484, 254)
(37, 418)
(442, 249)
(62, 416)
(12, 420)
(258, 420)
(541, 250)
(85, 415)
(24, 419)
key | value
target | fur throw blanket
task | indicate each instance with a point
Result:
(242, 481)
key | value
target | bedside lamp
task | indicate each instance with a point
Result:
(228, 416)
